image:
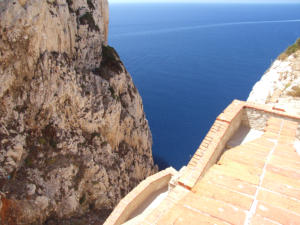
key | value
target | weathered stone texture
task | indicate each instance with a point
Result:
(279, 86)
(73, 133)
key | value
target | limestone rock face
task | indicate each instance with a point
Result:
(73, 133)
(280, 85)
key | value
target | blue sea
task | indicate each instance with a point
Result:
(189, 61)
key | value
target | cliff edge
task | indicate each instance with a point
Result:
(73, 134)
(280, 85)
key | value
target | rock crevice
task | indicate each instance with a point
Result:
(73, 133)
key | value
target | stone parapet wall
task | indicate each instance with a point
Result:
(237, 114)
(256, 116)
(126, 208)
(213, 144)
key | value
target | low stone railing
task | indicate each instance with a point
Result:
(227, 123)
(127, 207)
(238, 113)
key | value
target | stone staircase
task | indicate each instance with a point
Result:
(246, 171)
(255, 183)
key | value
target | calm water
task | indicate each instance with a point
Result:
(189, 61)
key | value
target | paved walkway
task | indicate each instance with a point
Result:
(255, 183)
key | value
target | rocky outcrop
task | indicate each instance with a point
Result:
(280, 85)
(73, 134)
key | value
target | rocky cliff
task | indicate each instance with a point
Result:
(280, 85)
(73, 134)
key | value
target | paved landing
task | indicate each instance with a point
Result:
(255, 183)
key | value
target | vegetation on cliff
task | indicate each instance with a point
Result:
(293, 49)
(295, 92)
(290, 50)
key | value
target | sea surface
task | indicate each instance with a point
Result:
(189, 61)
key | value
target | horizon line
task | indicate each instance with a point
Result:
(214, 25)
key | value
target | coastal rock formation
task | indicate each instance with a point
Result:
(280, 85)
(73, 134)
